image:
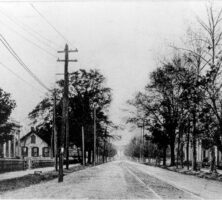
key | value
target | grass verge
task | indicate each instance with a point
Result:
(31, 179)
(199, 173)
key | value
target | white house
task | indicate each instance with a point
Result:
(11, 148)
(203, 154)
(32, 146)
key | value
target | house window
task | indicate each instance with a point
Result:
(35, 151)
(24, 151)
(45, 152)
(33, 138)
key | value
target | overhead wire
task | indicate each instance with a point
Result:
(31, 31)
(28, 40)
(19, 77)
(22, 63)
(47, 21)
(13, 53)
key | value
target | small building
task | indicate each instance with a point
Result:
(203, 155)
(11, 148)
(34, 147)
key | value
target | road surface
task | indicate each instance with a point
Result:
(122, 180)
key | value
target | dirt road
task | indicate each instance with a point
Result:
(116, 180)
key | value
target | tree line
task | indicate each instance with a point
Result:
(182, 103)
(86, 90)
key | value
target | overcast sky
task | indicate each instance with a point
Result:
(123, 39)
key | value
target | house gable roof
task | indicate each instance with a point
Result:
(29, 134)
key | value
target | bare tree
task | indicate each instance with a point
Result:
(213, 38)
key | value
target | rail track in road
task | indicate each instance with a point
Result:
(139, 180)
(159, 188)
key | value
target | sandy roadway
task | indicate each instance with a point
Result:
(117, 180)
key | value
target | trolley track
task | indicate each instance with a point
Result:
(159, 188)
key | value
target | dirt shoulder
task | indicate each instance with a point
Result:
(202, 173)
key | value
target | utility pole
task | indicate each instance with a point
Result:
(52, 144)
(65, 120)
(94, 149)
(104, 146)
(67, 138)
(141, 140)
(143, 143)
(83, 147)
(55, 131)
(19, 142)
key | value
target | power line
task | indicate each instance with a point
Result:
(13, 53)
(31, 31)
(36, 1)
(28, 40)
(53, 27)
(19, 77)
(20, 61)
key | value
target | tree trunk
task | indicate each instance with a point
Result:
(164, 156)
(172, 134)
(84, 157)
(194, 161)
(89, 156)
(103, 157)
(181, 154)
(52, 152)
(213, 161)
(188, 148)
(178, 150)
(218, 158)
(172, 153)
(79, 157)
(56, 161)
(97, 154)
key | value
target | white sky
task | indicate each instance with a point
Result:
(122, 38)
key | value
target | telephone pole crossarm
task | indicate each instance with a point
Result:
(75, 50)
(75, 60)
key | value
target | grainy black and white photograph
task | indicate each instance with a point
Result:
(111, 99)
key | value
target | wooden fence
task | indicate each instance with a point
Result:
(7, 165)
(10, 164)
(38, 163)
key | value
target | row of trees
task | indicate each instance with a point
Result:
(182, 102)
(139, 150)
(86, 90)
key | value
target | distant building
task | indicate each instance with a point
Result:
(202, 154)
(11, 148)
(34, 147)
